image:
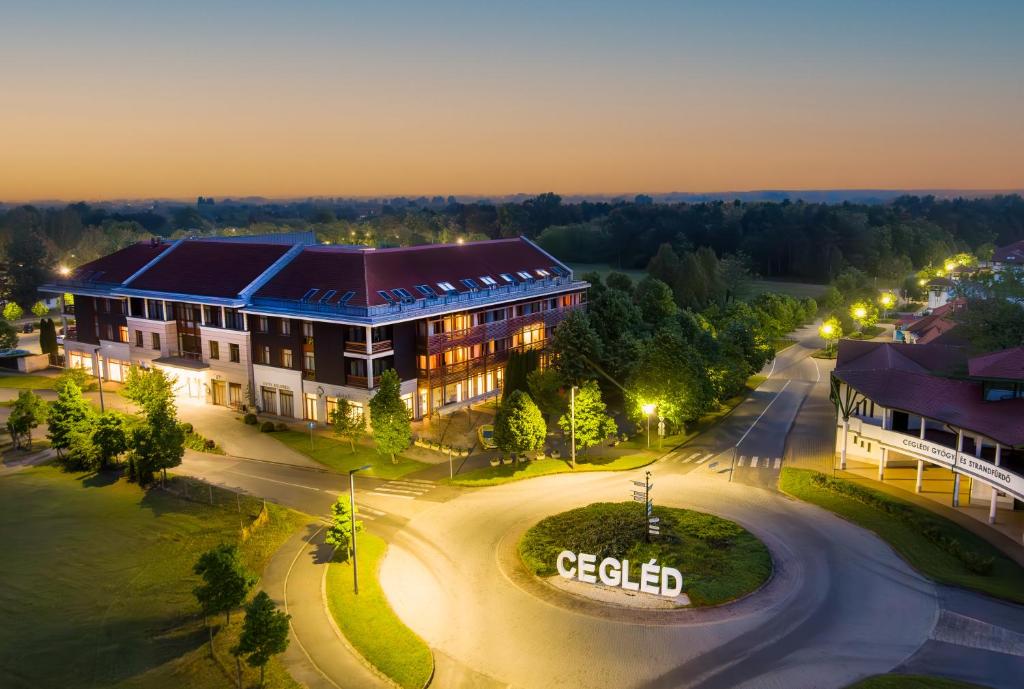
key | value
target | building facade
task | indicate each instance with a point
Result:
(912, 405)
(289, 327)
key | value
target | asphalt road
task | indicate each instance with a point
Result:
(840, 606)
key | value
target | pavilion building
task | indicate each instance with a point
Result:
(906, 405)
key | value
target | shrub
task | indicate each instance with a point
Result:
(281, 426)
(249, 419)
(187, 427)
(267, 427)
(209, 444)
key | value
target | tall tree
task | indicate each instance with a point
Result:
(39, 309)
(12, 311)
(67, 412)
(264, 634)
(574, 347)
(28, 411)
(226, 581)
(27, 264)
(343, 526)
(519, 426)
(157, 444)
(517, 371)
(545, 387)
(149, 388)
(592, 423)
(672, 374)
(389, 417)
(8, 336)
(347, 423)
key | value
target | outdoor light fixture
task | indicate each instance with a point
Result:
(648, 410)
(950, 265)
(922, 282)
(827, 329)
(352, 517)
(64, 270)
(860, 312)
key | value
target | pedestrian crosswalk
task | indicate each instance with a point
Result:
(403, 489)
(701, 456)
(364, 512)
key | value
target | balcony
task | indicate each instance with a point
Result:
(357, 347)
(361, 382)
(479, 334)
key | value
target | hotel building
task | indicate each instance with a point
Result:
(287, 326)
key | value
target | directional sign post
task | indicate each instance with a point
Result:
(652, 526)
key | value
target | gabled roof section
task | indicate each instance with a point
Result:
(1005, 365)
(117, 267)
(369, 272)
(1012, 253)
(864, 355)
(209, 268)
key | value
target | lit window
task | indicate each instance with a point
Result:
(214, 349)
(524, 275)
(234, 353)
(470, 283)
(286, 326)
(286, 358)
(507, 278)
(543, 273)
(446, 286)
(488, 280)
(426, 290)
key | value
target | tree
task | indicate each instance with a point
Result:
(519, 426)
(48, 337)
(574, 346)
(340, 532)
(226, 581)
(39, 309)
(654, 299)
(517, 371)
(66, 413)
(12, 311)
(8, 336)
(28, 411)
(672, 374)
(592, 423)
(545, 387)
(158, 443)
(347, 422)
(865, 313)
(109, 438)
(149, 387)
(26, 264)
(389, 417)
(991, 325)
(264, 633)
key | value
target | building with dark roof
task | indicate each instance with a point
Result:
(930, 403)
(1008, 256)
(290, 327)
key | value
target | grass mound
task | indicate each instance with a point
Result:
(893, 681)
(720, 560)
(370, 624)
(935, 546)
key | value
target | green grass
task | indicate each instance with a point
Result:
(27, 382)
(868, 333)
(893, 681)
(492, 476)
(720, 560)
(781, 343)
(98, 581)
(1006, 579)
(369, 623)
(756, 287)
(338, 456)
(825, 354)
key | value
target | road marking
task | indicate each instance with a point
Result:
(742, 459)
(362, 509)
(705, 458)
(272, 480)
(395, 495)
(691, 458)
(763, 412)
(753, 462)
(388, 489)
(778, 462)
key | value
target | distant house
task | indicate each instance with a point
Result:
(934, 328)
(1010, 255)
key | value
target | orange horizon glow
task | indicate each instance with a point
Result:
(319, 100)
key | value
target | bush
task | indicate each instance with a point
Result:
(209, 444)
(267, 427)
(249, 419)
(281, 426)
(187, 427)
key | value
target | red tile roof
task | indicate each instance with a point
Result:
(209, 268)
(120, 265)
(903, 377)
(1006, 365)
(367, 271)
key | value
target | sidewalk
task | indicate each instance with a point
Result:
(318, 656)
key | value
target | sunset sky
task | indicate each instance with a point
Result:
(175, 99)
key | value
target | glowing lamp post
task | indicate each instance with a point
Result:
(352, 512)
(886, 300)
(64, 271)
(830, 331)
(648, 411)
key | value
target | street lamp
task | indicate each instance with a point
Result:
(352, 522)
(64, 271)
(572, 424)
(99, 377)
(886, 300)
(648, 410)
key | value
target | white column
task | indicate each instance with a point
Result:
(956, 474)
(846, 436)
(995, 496)
(881, 465)
(369, 343)
(924, 423)
(920, 475)
(977, 445)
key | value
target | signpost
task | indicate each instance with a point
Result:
(312, 425)
(644, 496)
(661, 430)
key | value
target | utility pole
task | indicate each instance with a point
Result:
(99, 376)
(352, 523)
(572, 423)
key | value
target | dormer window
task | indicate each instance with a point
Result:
(470, 283)
(524, 275)
(507, 278)
(542, 273)
(426, 290)
(488, 280)
(446, 286)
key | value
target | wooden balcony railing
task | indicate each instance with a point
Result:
(375, 347)
(361, 381)
(496, 330)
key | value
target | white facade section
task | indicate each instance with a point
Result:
(166, 330)
(270, 382)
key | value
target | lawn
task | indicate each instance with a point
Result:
(492, 476)
(27, 382)
(338, 456)
(915, 533)
(893, 681)
(867, 333)
(98, 582)
(720, 560)
(369, 623)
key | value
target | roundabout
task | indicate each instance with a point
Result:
(827, 615)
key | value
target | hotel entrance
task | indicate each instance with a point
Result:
(218, 390)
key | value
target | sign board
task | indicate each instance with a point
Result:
(930, 451)
(654, 579)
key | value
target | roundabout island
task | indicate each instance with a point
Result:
(605, 552)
